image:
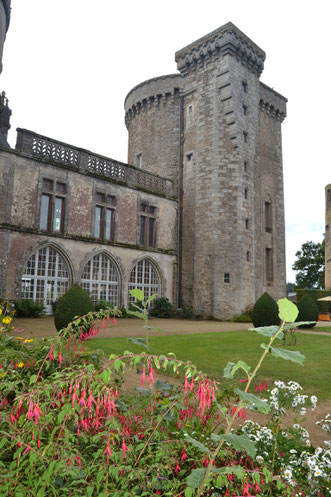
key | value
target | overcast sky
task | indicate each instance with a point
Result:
(68, 65)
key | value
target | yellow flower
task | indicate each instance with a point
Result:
(28, 340)
(6, 320)
(20, 364)
(20, 338)
(0, 311)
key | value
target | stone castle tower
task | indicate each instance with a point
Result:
(215, 130)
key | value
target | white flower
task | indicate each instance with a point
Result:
(274, 391)
(303, 411)
(318, 450)
(313, 399)
(259, 459)
(288, 473)
(318, 472)
(293, 451)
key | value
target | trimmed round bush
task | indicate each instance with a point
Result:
(308, 311)
(162, 308)
(265, 311)
(75, 302)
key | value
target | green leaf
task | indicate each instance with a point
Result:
(152, 297)
(241, 365)
(137, 314)
(137, 294)
(238, 442)
(288, 355)
(195, 479)
(227, 372)
(156, 329)
(105, 375)
(33, 378)
(288, 311)
(138, 341)
(252, 401)
(268, 331)
(117, 364)
(230, 470)
(197, 444)
(188, 492)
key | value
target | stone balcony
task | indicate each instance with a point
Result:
(83, 161)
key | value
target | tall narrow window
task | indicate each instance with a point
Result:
(244, 87)
(52, 207)
(147, 225)
(45, 212)
(268, 263)
(104, 217)
(244, 110)
(245, 137)
(268, 218)
(45, 277)
(139, 161)
(145, 277)
(226, 277)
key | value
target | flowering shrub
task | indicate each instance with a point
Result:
(69, 428)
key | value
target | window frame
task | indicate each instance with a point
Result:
(106, 203)
(268, 216)
(51, 191)
(269, 265)
(146, 219)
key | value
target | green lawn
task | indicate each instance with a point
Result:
(212, 351)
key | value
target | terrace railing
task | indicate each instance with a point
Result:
(56, 152)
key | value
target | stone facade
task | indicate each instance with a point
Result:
(197, 214)
(327, 237)
(225, 126)
(84, 176)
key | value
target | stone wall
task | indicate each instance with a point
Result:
(152, 119)
(231, 164)
(21, 180)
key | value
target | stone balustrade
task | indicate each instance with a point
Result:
(56, 152)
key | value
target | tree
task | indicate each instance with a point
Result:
(310, 265)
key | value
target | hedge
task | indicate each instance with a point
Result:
(315, 294)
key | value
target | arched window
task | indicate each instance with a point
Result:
(100, 279)
(145, 277)
(45, 278)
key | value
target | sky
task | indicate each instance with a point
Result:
(69, 64)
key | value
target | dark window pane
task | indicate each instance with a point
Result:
(109, 225)
(60, 187)
(45, 212)
(98, 220)
(58, 214)
(142, 230)
(110, 200)
(151, 233)
(144, 208)
(48, 184)
(151, 210)
(100, 197)
(268, 219)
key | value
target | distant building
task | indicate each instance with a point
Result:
(196, 216)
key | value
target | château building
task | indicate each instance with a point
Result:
(197, 213)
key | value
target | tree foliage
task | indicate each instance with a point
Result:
(310, 265)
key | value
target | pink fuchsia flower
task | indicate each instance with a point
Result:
(60, 358)
(125, 448)
(151, 376)
(115, 323)
(27, 450)
(177, 468)
(143, 377)
(108, 451)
